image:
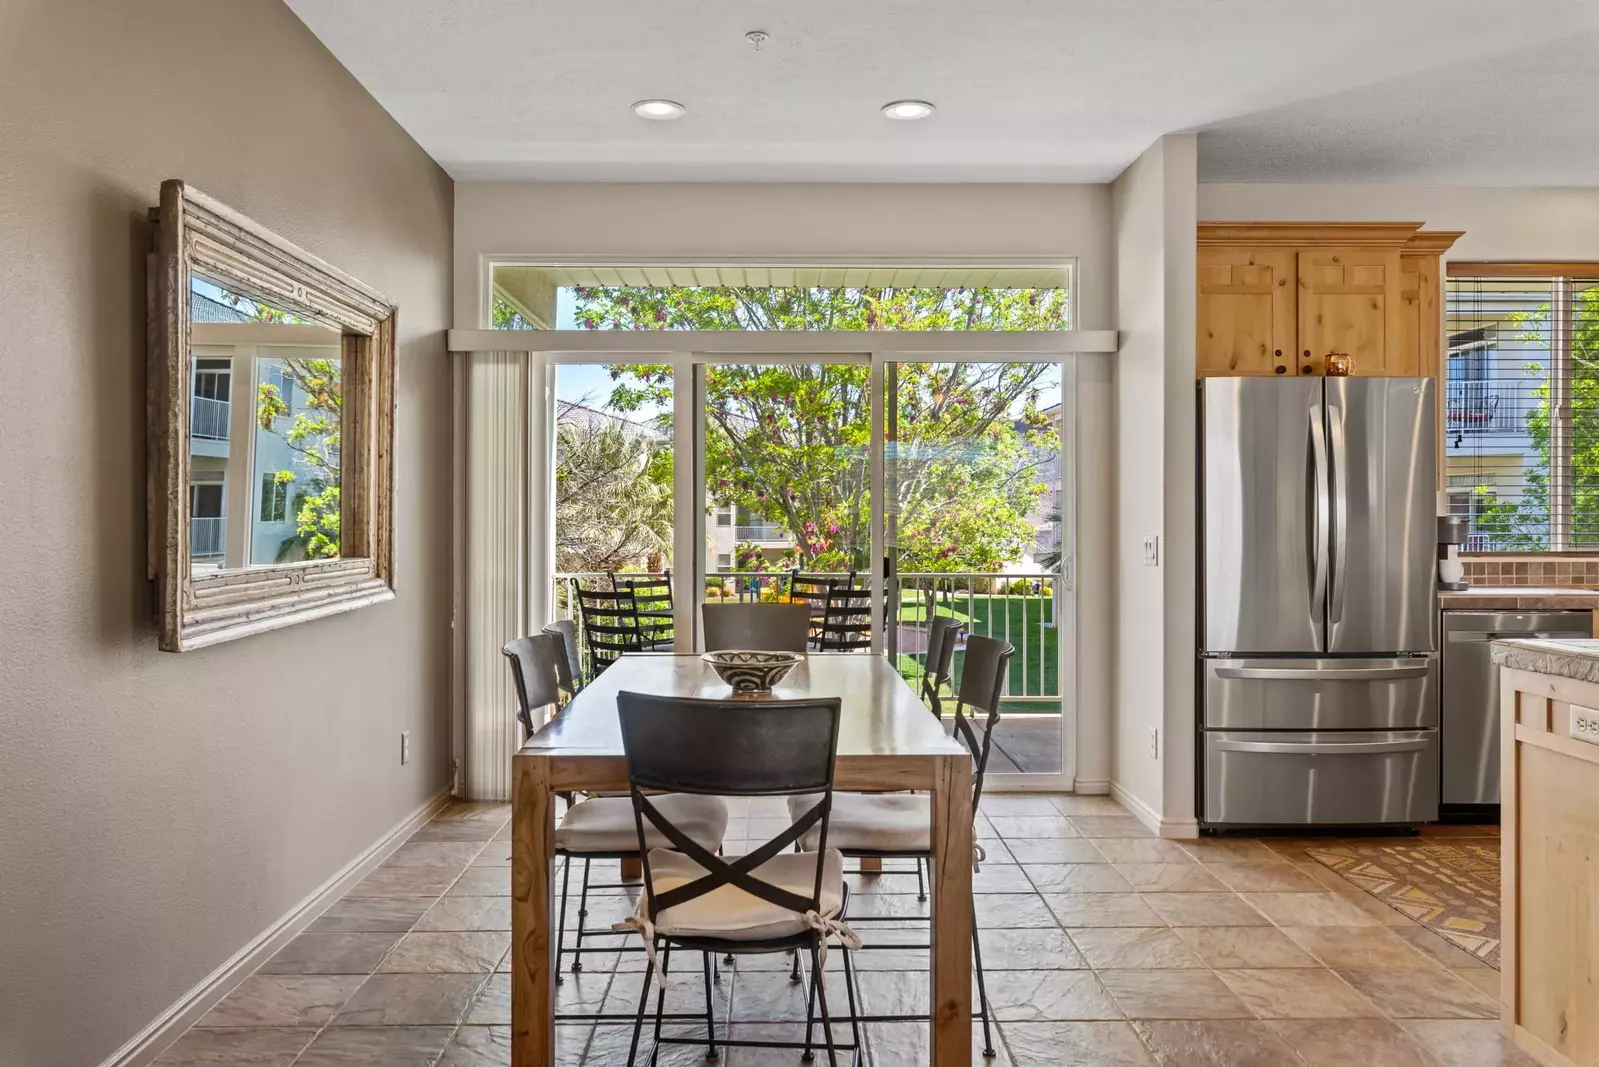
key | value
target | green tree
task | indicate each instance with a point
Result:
(788, 443)
(1523, 524)
(313, 433)
(613, 494)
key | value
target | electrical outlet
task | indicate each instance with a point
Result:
(1152, 550)
(1154, 742)
(405, 747)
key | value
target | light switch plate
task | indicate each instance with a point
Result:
(1585, 724)
(1152, 550)
(405, 747)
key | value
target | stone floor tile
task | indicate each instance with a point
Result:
(1203, 909)
(371, 914)
(427, 881)
(1145, 994)
(1076, 878)
(461, 952)
(1229, 850)
(462, 830)
(1372, 948)
(1296, 993)
(1264, 878)
(1228, 947)
(237, 1048)
(283, 1000)
(1101, 909)
(998, 910)
(1437, 948)
(479, 1046)
(1169, 878)
(1485, 980)
(1214, 1043)
(1433, 993)
(894, 1044)
(1048, 996)
(1308, 909)
(495, 854)
(1079, 1044)
(1033, 827)
(332, 954)
(1017, 950)
(467, 913)
(1110, 826)
(370, 1046)
(1346, 1042)
(1133, 948)
(488, 882)
(1001, 878)
(456, 854)
(1140, 850)
(1001, 805)
(1054, 850)
(1078, 804)
(1380, 913)
(1468, 1042)
(411, 1000)
(771, 997)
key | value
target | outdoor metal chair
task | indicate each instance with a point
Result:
(652, 607)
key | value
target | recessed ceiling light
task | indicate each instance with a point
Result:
(907, 110)
(659, 110)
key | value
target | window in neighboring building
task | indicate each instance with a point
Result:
(1521, 409)
(274, 498)
(724, 516)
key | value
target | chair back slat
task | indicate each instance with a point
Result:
(652, 605)
(533, 674)
(846, 620)
(568, 666)
(981, 686)
(757, 627)
(610, 626)
(940, 653)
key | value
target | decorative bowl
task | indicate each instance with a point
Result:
(748, 671)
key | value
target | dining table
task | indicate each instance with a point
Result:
(887, 741)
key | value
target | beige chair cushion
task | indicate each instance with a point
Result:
(871, 822)
(605, 824)
(728, 911)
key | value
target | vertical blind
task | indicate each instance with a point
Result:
(1521, 411)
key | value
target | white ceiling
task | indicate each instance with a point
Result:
(1425, 91)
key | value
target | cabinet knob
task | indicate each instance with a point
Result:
(1278, 353)
(1304, 370)
(1281, 369)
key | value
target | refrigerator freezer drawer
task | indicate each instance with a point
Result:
(1352, 778)
(1321, 694)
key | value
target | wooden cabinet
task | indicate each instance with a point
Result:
(1277, 298)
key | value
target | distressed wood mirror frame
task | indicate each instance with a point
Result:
(196, 234)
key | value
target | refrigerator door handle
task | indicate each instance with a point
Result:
(1295, 748)
(1340, 510)
(1327, 674)
(1321, 529)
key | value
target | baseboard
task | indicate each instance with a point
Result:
(1181, 829)
(167, 1027)
(1092, 787)
(1135, 807)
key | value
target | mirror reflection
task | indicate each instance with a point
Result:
(265, 415)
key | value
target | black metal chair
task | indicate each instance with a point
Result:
(596, 828)
(898, 825)
(846, 620)
(610, 626)
(758, 627)
(569, 665)
(770, 900)
(652, 607)
(941, 635)
(811, 590)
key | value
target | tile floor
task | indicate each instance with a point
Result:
(1104, 946)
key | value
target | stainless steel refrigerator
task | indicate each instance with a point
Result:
(1318, 665)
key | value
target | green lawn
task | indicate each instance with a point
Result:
(1034, 669)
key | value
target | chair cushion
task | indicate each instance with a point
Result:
(871, 822)
(729, 912)
(605, 824)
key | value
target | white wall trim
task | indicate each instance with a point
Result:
(1092, 787)
(1042, 344)
(149, 1043)
(1174, 828)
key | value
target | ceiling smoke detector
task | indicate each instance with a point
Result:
(659, 110)
(908, 110)
(757, 38)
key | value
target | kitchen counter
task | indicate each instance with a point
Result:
(1576, 659)
(1519, 598)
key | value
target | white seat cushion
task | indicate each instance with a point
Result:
(605, 824)
(731, 913)
(871, 822)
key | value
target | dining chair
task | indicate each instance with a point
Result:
(941, 634)
(652, 607)
(811, 590)
(756, 627)
(846, 620)
(568, 665)
(610, 626)
(898, 825)
(769, 900)
(597, 828)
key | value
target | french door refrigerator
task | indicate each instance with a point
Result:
(1318, 665)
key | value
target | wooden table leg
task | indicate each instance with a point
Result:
(952, 912)
(532, 853)
(871, 863)
(632, 870)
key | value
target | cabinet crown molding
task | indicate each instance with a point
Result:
(1291, 234)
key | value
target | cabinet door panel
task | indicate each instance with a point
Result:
(1349, 301)
(1246, 311)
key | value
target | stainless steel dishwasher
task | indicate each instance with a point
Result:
(1470, 721)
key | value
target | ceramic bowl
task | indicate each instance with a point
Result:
(751, 672)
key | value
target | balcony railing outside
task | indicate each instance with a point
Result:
(762, 533)
(208, 418)
(1018, 608)
(207, 537)
(1485, 406)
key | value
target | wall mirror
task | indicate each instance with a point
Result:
(270, 429)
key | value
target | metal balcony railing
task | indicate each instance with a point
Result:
(762, 533)
(1481, 407)
(208, 418)
(207, 537)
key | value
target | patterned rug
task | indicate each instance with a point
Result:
(1452, 890)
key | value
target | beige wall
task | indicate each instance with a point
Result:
(160, 811)
(1153, 209)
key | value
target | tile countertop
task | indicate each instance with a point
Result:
(1519, 598)
(1569, 658)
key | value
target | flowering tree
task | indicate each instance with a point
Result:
(788, 443)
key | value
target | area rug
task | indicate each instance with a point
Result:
(1453, 890)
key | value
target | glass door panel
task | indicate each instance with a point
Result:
(973, 531)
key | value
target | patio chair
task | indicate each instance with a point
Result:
(897, 825)
(568, 665)
(770, 900)
(757, 627)
(846, 621)
(610, 626)
(941, 634)
(652, 607)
